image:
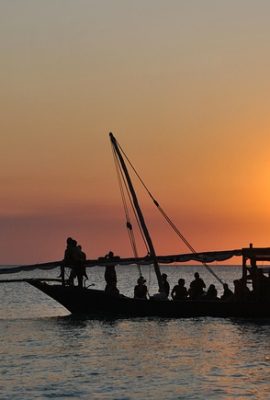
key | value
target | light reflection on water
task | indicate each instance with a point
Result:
(138, 358)
(45, 353)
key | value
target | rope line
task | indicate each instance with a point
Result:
(128, 221)
(185, 241)
(134, 211)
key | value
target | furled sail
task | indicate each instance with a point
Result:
(13, 269)
(206, 257)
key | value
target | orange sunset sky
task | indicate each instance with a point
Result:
(183, 85)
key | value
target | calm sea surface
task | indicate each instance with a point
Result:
(45, 353)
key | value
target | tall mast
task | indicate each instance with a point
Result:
(139, 213)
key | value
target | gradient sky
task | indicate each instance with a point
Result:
(185, 88)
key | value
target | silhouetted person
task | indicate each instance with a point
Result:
(179, 291)
(140, 290)
(261, 285)
(75, 259)
(211, 293)
(110, 273)
(196, 289)
(165, 284)
(241, 291)
(111, 289)
(227, 292)
(83, 259)
(68, 260)
(80, 269)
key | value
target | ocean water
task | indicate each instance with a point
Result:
(47, 354)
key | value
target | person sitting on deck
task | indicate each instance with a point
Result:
(196, 289)
(260, 284)
(241, 291)
(227, 293)
(179, 291)
(166, 285)
(211, 293)
(140, 290)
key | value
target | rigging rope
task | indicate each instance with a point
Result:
(124, 201)
(168, 219)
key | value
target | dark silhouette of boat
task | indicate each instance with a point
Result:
(98, 303)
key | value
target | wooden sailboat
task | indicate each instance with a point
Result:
(81, 300)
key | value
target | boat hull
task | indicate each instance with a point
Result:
(97, 303)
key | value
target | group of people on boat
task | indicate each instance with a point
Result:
(179, 292)
(141, 290)
(74, 258)
(260, 283)
(198, 291)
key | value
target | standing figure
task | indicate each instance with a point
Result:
(83, 259)
(74, 259)
(80, 269)
(68, 258)
(110, 272)
(112, 290)
(166, 285)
